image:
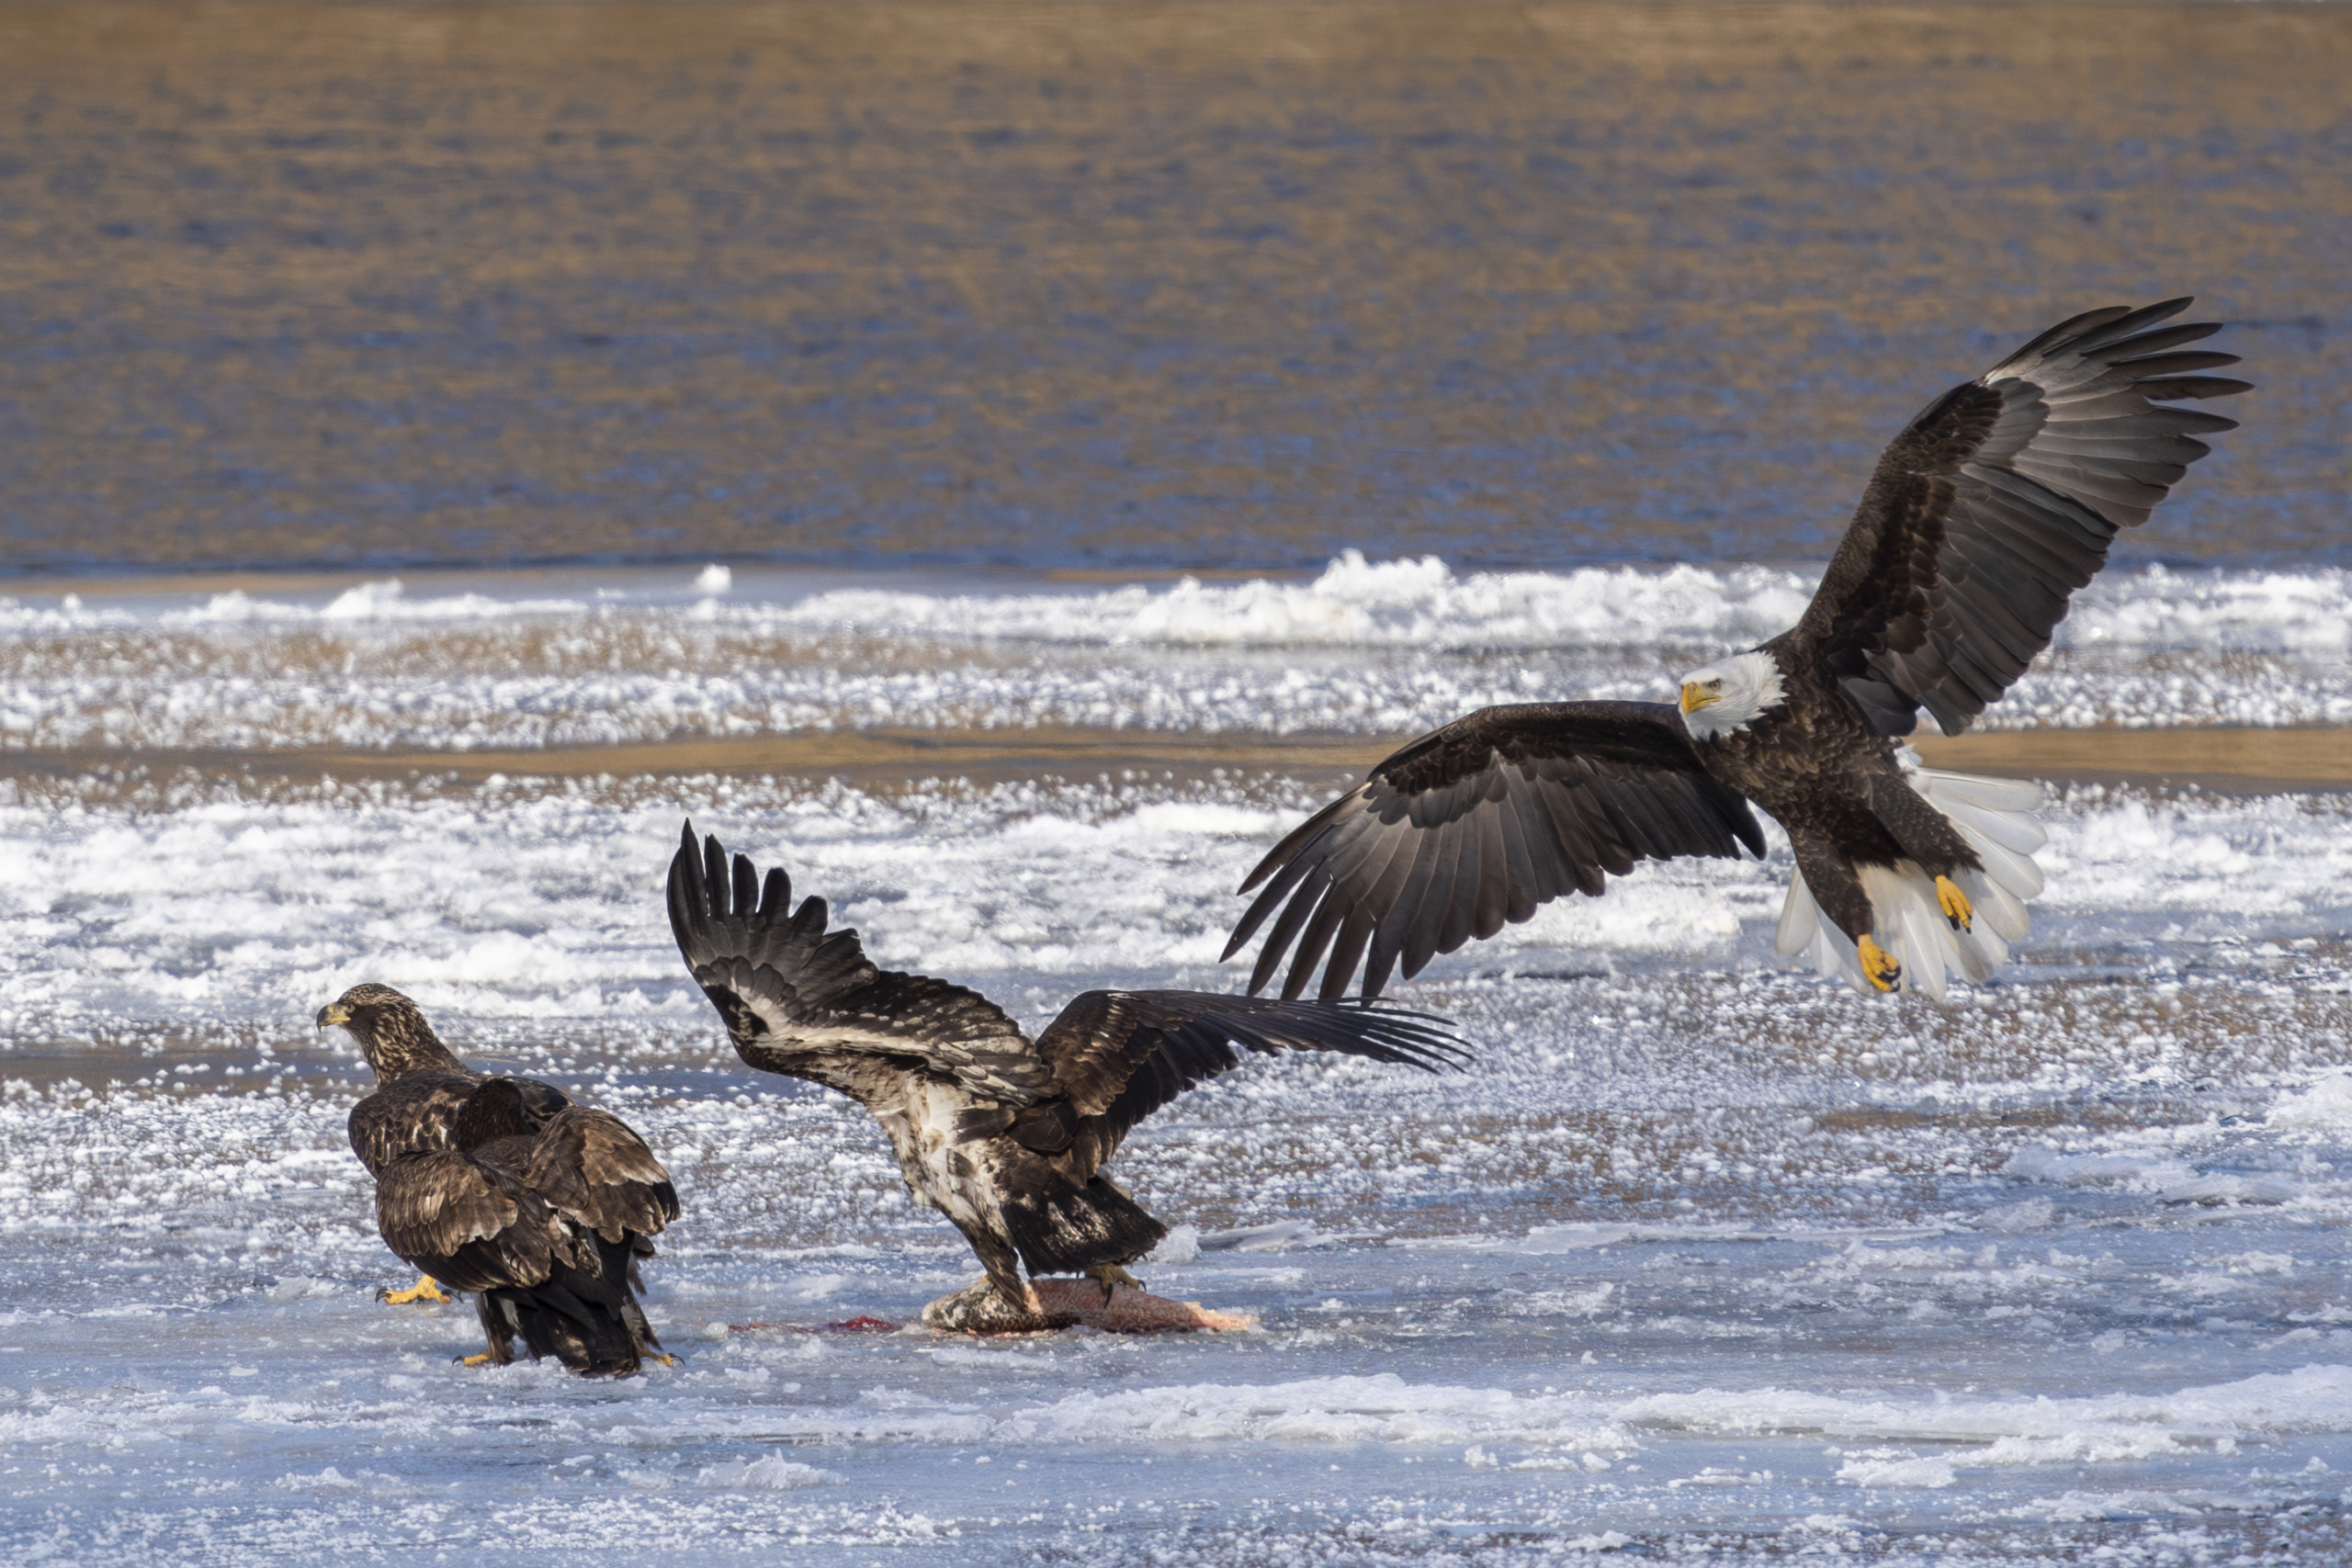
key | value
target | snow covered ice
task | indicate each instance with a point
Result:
(1364, 647)
(1706, 1256)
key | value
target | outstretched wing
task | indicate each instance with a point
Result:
(1479, 823)
(788, 989)
(1117, 1057)
(597, 1172)
(450, 1216)
(1999, 502)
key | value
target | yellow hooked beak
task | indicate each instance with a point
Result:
(1695, 696)
(332, 1014)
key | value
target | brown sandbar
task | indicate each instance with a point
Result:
(2233, 760)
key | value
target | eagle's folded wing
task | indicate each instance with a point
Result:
(412, 1113)
(598, 1173)
(420, 1110)
(1120, 1056)
(1479, 823)
(453, 1217)
(1997, 502)
(788, 987)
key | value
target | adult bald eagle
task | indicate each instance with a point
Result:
(1996, 503)
(1004, 1135)
(504, 1187)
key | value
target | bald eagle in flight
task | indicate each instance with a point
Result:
(1996, 503)
(1005, 1134)
(503, 1187)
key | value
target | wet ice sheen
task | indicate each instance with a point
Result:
(1705, 1255)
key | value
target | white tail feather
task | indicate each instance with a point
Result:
(1834, 958)
(2015, 873)
(1994, 816)
(1992, 794)
(2021, 835)
(1918, 950)
(1986, 950)
(1800, 919)
(1995, 905)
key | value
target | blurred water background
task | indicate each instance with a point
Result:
(1080, 286)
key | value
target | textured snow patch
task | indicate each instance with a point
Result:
(2043, 1430)
(1908, 1471)
(1423, 602)
(2302, 611)
(1383, 1408)
(2017, 1219)
(1180, 1244)
(383, 600)
(299, 1287)
(771, 1473)
(2324, 1106)
(2036, 1162)
(1358, 603)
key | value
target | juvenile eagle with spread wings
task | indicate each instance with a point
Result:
(503, 1186)
(1983, 517)
(1004, 1135)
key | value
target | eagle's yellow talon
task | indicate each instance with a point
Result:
(666, 1360)
(1956, 907)
(1879, 966)
(424, 1289)
(484, 1359)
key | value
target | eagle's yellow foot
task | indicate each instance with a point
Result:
(424, 1289)
(657, 1355)
(1109, 1275)
(1879, 966)
(484, 1359)
(1956, 907)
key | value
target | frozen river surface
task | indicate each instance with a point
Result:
(1706, 1257)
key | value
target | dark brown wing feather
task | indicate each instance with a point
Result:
(408, 1115)
(469, 1225)
(1479, 823)
(1996, 504)
(788, 987)
(598, 1173)
(419, 1112)
(1117, 1057)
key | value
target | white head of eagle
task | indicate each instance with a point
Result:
(1728, 695)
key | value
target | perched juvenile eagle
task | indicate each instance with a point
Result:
(1982, 517)
(1005, 1135)
(542, 1218)
(504, 1187)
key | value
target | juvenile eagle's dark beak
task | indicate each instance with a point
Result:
(332, 1014)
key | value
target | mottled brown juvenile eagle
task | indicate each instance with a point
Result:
(503, 1186)
(1996, 503)
(1004, 1135)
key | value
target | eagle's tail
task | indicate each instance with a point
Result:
(590, 1321)
(1059, 1227)
(1996, 815)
